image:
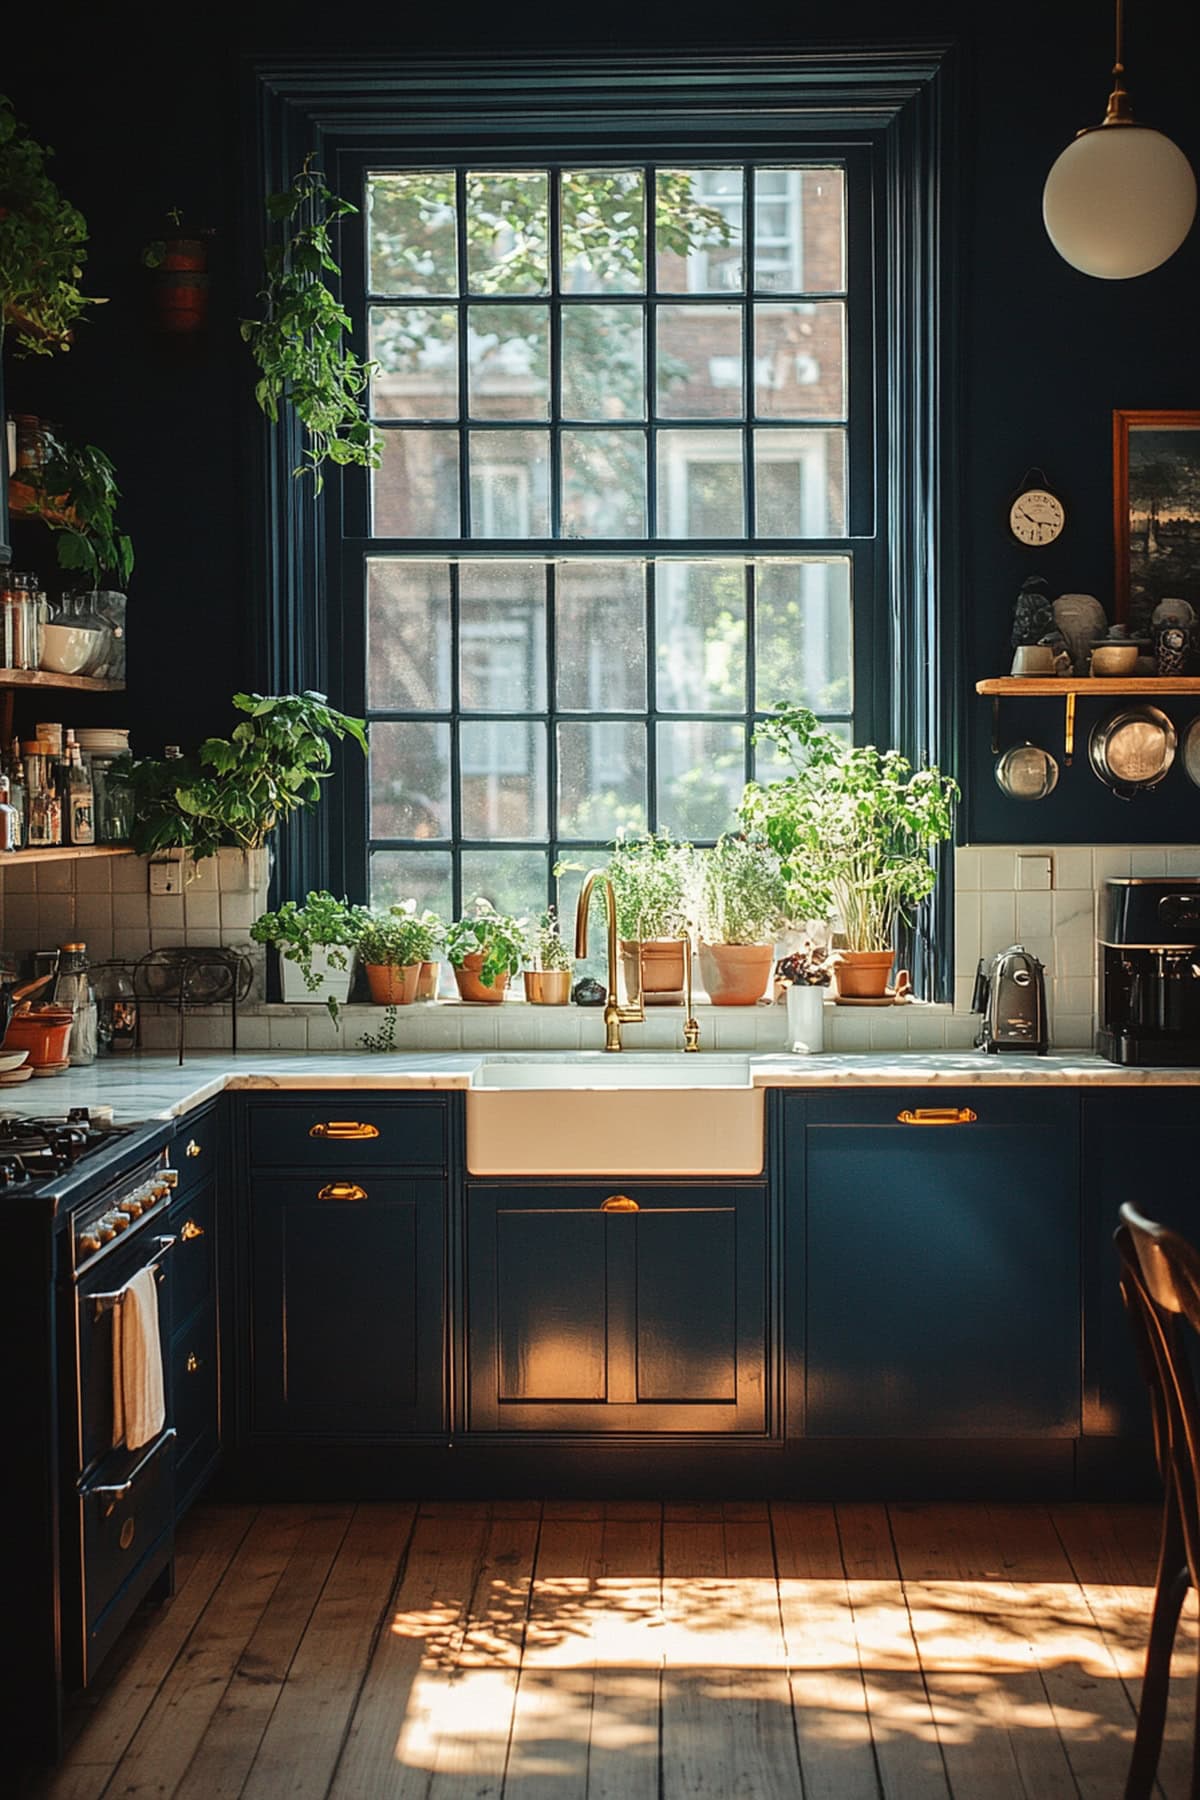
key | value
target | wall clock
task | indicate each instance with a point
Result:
(1036, 515)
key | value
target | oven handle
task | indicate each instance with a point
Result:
(103, 1303)
(118, 1490)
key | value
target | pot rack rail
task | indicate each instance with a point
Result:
(1067, 688)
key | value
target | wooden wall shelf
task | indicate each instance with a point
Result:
(46, 678)
(1057, 686)
(64, 853)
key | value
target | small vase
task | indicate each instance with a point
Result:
(736, 974)
(427, 986)
(392, 984)
(470, 987)
(548, 987)
(806, 1019)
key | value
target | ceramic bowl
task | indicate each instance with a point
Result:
(1114, 659)
(11, 1059)
(66, 649)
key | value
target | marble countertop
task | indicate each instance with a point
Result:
(155, 1087)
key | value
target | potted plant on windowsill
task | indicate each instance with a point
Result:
(806, 975)
(739, 907)
(315, 942)
(853, 828)
(651, 875)
(485, 948)
(548, 977)
(392, 945)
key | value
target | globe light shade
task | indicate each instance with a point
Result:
(1119, 201)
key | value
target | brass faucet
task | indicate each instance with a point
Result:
(615, 1015)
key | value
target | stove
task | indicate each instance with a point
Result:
(33, 1150)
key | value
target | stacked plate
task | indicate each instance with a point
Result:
(102, 740)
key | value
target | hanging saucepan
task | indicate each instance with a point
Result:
(1132, 749)
(1026, 772)
(1191, 751)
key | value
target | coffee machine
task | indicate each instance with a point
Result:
(1148, 933)
(1010, 994)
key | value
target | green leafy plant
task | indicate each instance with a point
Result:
(236, 790)
(384, 1039)
(76, 493)
(651, 876)
(396, 936)
(812, 965)
(300, 343)
(852, 826)
(544, 948)
(322, 922)
(42, 246)
(497, 937)
(741, 891)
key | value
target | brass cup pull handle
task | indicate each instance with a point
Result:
(937, 1115)
(193, 1362)
(619, 1203)
(189, 1231)
(343, 1130)
(342, 1190)
(193, 1148)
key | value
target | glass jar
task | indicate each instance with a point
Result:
(116, 1009)
(73, 990)
(116, 815)
(77, 611)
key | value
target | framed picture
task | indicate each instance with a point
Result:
(1156, 511)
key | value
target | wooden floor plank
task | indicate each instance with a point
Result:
(115, 1711)
(623, 1761)
(303, 1741)
(829, 1706)
(995, 1723)
(226, 1752)
(726, 1705)
(552, 1716)
(1091, 1705)
(1120, 1596)
(175, 1722)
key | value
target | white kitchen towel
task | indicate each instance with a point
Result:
(139, 1407)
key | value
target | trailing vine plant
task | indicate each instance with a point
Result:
(385, 1038)
(300, 342)
(42, 239)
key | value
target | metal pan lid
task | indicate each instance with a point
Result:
(1133, 748)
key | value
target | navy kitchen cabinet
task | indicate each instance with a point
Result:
(1139, 1144)
(941, 1262)
(345, 1243)
(629, 1307)
(193, 1355)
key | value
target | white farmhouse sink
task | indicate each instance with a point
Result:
(628, 1114)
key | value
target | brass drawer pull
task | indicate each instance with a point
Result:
(342, 1190)
(193, 1148)
(937, 1115)
(193, 1362)
(343, 1130)
(189, 1231)
(619, 1203)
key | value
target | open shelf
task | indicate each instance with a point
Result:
(1059, 685)
(64, 853)
(46, 678)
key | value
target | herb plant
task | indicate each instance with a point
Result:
(76, 493)
(852, 827)
(322, 922)
(741, 891)
(397, 936)
(383, 1040)
(300, 342)
(544, 948)
(650, 876)
(236, 790)
(497, 937)
(812, 965)
(42, 239)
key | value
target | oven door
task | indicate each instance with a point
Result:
(97, 1304)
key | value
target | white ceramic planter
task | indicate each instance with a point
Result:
(806, 1019)
(245, 871)
(335, 983)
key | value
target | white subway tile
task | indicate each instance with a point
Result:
(997, 920)
(209, 1031)
(56, 877)
(130, 944)
(159, 1031)
(56, 918)
(964, 991)
(289, 1034)
(1109, 860)
(93, 912)
(926, 1028)
(131, 912)
(167, 937)
(1034, 916)
(253, 1034)
(1073, 1031)
(202, 910)
(1073, 866)
(1074, 994)
(202, 938)
(130, 875)
(850, 1028)
(997, 869)
(888, 1027)
(18, 877)
(961, 1030)
(966, 869)
(323, 1033)
(166, 912)
(21, 914)
(200, 877)
(93, 875)
(1146, 861)
(1184, 859)
(967, 928)
(238, 911)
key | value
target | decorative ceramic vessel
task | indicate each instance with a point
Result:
(393, 984)
(470, 987)
(662, 973)
(863, 974)
(548, 987)
(1081, 619)
(806, 1019)
(1114, 658)
(736, 974)
(334, 983)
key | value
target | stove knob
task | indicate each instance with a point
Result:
(118, 1221)
(88, 1244)
(134, 1207)
(160, 1190)
(106, 1231)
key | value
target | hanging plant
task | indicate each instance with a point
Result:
(300, 342)
(76, 493)
(42, 239)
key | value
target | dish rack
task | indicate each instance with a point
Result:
(193, 979)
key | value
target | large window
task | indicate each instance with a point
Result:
(626, 438)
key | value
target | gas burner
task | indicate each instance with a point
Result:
(34, 1149)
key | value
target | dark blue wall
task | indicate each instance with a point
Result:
(143, 108)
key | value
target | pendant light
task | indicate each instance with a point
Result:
(1121, 198)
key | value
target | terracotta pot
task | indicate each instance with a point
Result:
(736, 974)
(863, 974)
(548, 987)
(181, 300)
(427, 986)
(393, 984)
(466, 974)
(45, 1032)
(662, 969)
(185, 253)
